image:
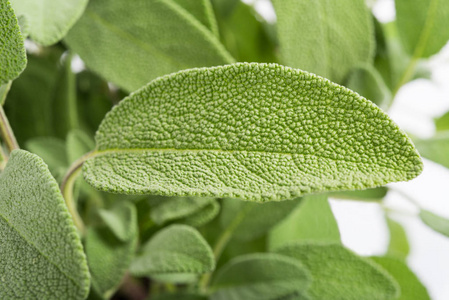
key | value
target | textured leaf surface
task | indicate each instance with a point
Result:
(435, 148)
(12, 50)
(178, 251)
(108, 255)
(41, 254)
(262, 276)
(436, 222)
(423, 25)
(398, 246)
(325, 37)
(254, 219)
(311, 220)
(254, 131)
(411, 287)
(49, 20)
(339, 274)
(108, 29)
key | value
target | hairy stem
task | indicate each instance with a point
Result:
(6, 132)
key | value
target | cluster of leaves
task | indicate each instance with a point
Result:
(182, 151)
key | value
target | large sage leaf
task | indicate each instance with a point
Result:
(41, 254)
(254, 131)
(261, 276)
(176, 253)
(49, 20)
(411, 287)
(328, 38)
(129, 45)
(423, 25)
(311, 220)
(339, 274)
(12, 50)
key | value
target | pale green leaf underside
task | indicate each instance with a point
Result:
(254, 131)
(41, 254)
(49, 20)
(261, 276)
(177, 250)
(339, 274)
(325, 37)
(129, 45)
(12, 50)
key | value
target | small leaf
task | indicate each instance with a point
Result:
(328, 38)
(398, 246)
(442, 122)
(259, 132)
(411, 287)
(261, 276)
(102, 35)
(375, 194)
(423, 25)
(12, 50)
(78, 144)
(311, 220)
(339, 274)
(202, 216)
(49, 20)
(108, 255)
(254, 219)
(165, 209)
(437, 223)
(202, 10)
(176, 253)
(435, 148)
(41, 253)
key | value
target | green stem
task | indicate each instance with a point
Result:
(6, 132)
(67, 186)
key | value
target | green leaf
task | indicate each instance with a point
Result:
(442, 122)
(436, 222)
(102, 36)
(12, 50)
(78, 144)
(202, 216)
(340, 274)
(311, 220)
(202, 10)
(411, 287)
(49, 20)
(435, 148)
(261, 276)
(366, 81)
(253, 219)
(375, 194)
(259, 132)
(176, 253)
(110, 249)
(328, 38)
(398, 246)
(41, 253)
(423, 25)
(165, 209)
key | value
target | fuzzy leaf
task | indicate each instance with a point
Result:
(411, 287)
(108, 29)
(254, 219)
(41, 254)
(398, 246)
(311, 220)
(12, 50)
(375, 194)
(437, 223)
(339, 274)
(176, 253)
(110, 249)
(261, 276)
(49, 20)
(423, 25)
(435, 148)
(259, 132)
(328, 38)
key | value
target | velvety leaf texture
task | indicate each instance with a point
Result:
(325, 37)
(12, 50)
(339, 274)
(175, 250)
(129, 45)
(41, 254)
(49, 20)
(261, 276)
(254, 131)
